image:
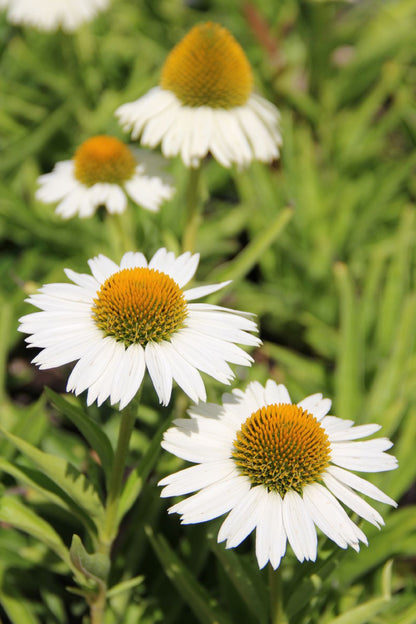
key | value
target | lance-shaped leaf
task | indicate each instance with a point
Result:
(14, 513)
(65, 475)
(42, 484)
(202, 604)
(87, 426)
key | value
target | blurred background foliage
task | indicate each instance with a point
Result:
(322, 249)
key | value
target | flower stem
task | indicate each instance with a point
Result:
(193, 216)
(278, 615)
(128, 417)
(111, 522)
(120, 231)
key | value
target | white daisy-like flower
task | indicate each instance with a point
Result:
(104, 172)
(124, 319)
(278, 468)
(205, 103)
(52, 14)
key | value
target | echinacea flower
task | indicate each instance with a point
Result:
(52, 14)
(277, 467)
(105, 171)
(205, 103)
(124, 319)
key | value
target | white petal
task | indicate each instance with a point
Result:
(128, 376)
(133, 259)
(316, 405)
(185, 375)
(242, 519)
(197, 477)
(299, 527)
(270, 533)
(212, 501)
(352, 500)
(202, 291)
(331, 518)
(159, 371)
(360, 484)
(354, 433)
(102, 268)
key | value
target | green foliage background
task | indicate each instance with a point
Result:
(321, 246)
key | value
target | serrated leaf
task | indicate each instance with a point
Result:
(44, 486)
(65, 475)
(87, 426)
(21, 517)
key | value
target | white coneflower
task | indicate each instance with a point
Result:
(205, 103)
(278, 468)
(52, 14)
(124, 319)
(105, 171)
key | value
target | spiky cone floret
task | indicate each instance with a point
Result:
(282, 469)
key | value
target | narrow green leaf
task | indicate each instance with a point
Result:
(242, 582)
(65, 475)
(204, 607)
(23, 148)
(87, 426)
(396, 538)
(349, 357)
(21, 517)
(251, 254)
(363, 613)
(45, 487)
(18, 610)
(398, 280)
(408, 617)
(6, 320)
(95, 566)
(125, 586)
(385, 387)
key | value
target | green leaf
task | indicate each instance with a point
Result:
(241, 580)
(202, 604)
(95, 566)
(18, 610)
(21, 517)
(348, 371)
(396, 538)
(125, 586)
(250, 255)
(45, 487)
(363, 613)
(87, 426)
(65, 475)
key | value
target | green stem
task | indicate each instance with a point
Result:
(193, 216)
(110, 525)
(277, 613)
(128, 417)
(97, 609)
(120, 232)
